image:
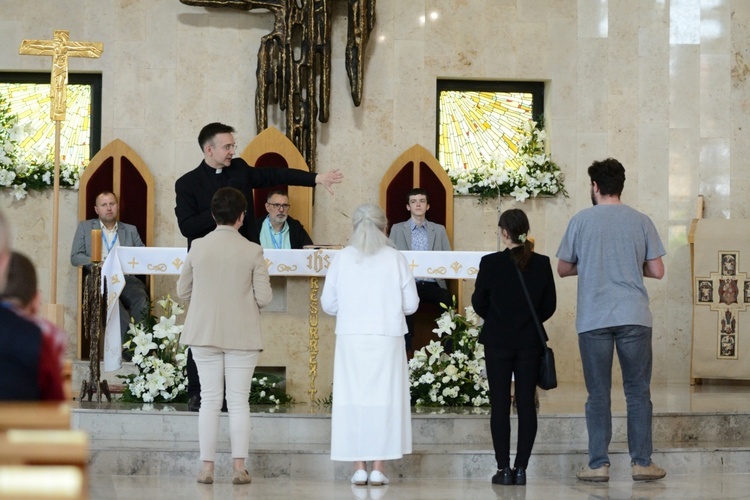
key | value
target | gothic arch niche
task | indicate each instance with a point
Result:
(418, 168)
(119, 169)
(271, 148)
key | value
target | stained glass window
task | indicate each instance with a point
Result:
(478, 120)
(29, 99)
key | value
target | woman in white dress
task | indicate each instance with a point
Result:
(370, 288)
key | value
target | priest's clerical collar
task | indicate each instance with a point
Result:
(219, 170)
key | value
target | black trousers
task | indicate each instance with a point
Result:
(501, 365)
(193, 382)
(431, 293)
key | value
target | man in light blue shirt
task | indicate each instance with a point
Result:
(419, 234)
(279, 230)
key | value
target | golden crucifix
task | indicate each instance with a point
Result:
(60, 48)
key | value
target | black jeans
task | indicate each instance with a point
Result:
(431, 293)
(501, 365)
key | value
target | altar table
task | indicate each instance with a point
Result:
(312, 263)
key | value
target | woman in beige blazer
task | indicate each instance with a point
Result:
(226, 280)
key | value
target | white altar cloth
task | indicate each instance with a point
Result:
(303, 263)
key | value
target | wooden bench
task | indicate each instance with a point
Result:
(34, 415)
(59, 482)
(44, 447)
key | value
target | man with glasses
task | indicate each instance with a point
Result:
(278, 229)
(219, 168)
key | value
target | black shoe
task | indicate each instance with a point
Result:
(194, 403)
(519, 476)
(503, 476)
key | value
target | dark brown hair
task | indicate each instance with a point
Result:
(22, 283)
(516, 223)
(609, 175)
(227, 205)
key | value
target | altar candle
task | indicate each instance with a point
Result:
(96, 245)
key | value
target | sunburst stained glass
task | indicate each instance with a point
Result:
(31, 103)
(475, 126)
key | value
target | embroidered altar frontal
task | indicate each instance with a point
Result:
(721, 296)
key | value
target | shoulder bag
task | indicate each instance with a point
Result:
(547, 373)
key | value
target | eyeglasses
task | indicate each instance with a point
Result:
(229, 147)
(277, 206)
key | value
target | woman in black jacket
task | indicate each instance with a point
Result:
(511, 341)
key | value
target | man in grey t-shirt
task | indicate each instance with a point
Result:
(611, 248)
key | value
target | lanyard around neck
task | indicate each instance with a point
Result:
(109, 246)
(277, 243)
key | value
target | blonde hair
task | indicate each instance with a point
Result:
(368, 235)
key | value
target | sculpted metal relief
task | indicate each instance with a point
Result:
(294, 62)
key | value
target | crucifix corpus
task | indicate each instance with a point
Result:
(60, 48)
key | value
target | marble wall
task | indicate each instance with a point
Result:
(661, 85)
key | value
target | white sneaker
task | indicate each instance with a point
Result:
(377, 478)
(360, 477)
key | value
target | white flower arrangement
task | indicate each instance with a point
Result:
(161, 362)
(159, 357)
(451, 371)
(528, 174)
(21, 173)
(268, 389)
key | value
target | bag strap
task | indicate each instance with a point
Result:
(531, 306)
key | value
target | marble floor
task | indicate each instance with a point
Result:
(710, 398)
(726, 486)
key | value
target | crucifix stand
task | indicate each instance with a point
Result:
(60, 48)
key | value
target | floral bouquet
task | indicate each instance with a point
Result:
(451, 371)
(155, 347)
(528, 174)
(267, 389)
(20, 172)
